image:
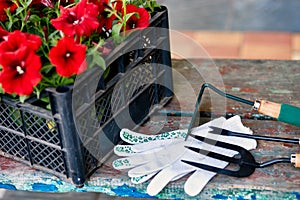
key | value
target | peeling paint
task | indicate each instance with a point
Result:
(7, 186)
(281, 91)
(44, 187)
(125, 190)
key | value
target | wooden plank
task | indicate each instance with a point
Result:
(272, 80)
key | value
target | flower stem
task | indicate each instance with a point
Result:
(125, 16)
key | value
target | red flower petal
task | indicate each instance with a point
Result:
(33, 41)
(4, 4)
(17, 39)
(68, 57)
(144, 18)
(80, 19)
(118, 5)
(50, 3)
(101, 4)
(3, 34)
(13, 42)
(139, 20)
(21, 71)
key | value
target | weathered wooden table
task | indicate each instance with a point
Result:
(272, 80)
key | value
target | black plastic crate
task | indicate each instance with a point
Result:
(79, 132)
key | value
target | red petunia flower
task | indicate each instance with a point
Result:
(50, 3)
(3, 34)
(106, 21)
(79, 20)
(118, 5)
(17, 39)
(6, 4)
(106, 24)
(138, 20)
(47, 3)
(100, 3)
(33, 41)
(20, 71)
(68, 57)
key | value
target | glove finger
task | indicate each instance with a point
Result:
(197, 156)
(147, 168)
(248, 144)
(143, 147)
(142, 179)
(129, 162)
(178, 177)
(165, 176)
(216, 122)
(235, 124)
(130, 150)
(197, 181)
(124, 150)
(159, 160)
(192, 168)
(132, 137)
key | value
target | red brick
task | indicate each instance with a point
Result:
(267, 38)
(261, 51)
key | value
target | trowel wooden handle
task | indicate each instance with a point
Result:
(283, 112)
(295, 159)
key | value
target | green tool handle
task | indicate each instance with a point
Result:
(283, 112)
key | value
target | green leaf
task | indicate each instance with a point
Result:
(1, 90)
(9, 25)
(15, 115)
(45, 99)
(106, 72)
(116, 31)
(19, 10)
(37, 92)
(48, 107)
(95, 48)
(34, 18)
(129, 15)
(28, 3)
(22, 98)
(46, 69)
(54, 37)
(99, 60)
(67, 81)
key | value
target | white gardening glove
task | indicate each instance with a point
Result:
(160, 155)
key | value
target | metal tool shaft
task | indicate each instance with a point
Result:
(220, 92)
(217, 130)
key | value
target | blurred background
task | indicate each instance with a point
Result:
(247, 29)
